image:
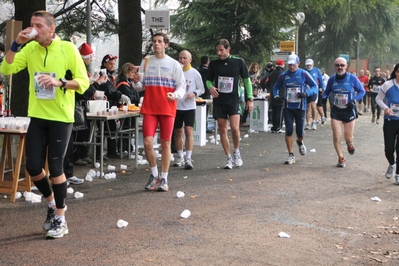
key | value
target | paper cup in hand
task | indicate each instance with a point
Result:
(99, 95)
(141, 76)
(32, 34)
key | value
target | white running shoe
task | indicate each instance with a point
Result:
(229, 164)
(75, 181)
(179, 162)
(302, 148)
(390, 171)
(308, 126)
(189, 164)
(237, 160)
(58, 229)
(314, 126)
(290, 160)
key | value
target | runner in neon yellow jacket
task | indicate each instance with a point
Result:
(56, 71)
(54, 60)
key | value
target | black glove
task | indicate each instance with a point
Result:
(278, 100)
(351, 105)
(302, 95)
(324, 100)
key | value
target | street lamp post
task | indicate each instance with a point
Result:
(300, 18)
(357, 53)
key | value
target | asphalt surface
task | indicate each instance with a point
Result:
(236, 215)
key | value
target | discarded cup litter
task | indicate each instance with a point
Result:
(28, 196)
(89, 178)
(18, 195)
(70, 190)
(284, 235)
(121, 223)
(32, 197)
(78, 195)
(97, 165)
(185, 214)
(123, 167)
(376, 199)
(92, 173)
(180, 194)
(246, 136)
(313, 150)
(111, 167)
(36, 198)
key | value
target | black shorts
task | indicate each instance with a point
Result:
(312, 98)
(319, 99)
(184, 116)
(343, 115)
(226, 110)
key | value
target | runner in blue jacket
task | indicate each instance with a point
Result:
(298, 85)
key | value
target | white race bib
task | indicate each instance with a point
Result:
(395, 109)
(44, 92)
(292, 95)
(225, 84)
(376, 88)
(340, 100)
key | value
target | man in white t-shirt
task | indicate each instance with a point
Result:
(185, 113)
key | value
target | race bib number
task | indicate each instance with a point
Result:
(44, 92)
(376, 88)
(292, 95)
(225, 84)
(395, 109)
(340, 99)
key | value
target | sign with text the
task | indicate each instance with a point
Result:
(158, 19)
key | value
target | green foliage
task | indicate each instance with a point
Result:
(252, 34)
(338, 28)
(69, 22)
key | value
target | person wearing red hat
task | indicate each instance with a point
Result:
(276, 107)
(78, 155)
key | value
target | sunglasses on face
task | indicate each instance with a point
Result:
(339, 65)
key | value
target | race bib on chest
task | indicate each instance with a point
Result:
(340, 99)
(376, 88)
(292, 95)
(225, 84)
(395, 109)
(44, 92)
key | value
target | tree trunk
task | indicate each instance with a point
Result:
(20, 81)
(130, 32)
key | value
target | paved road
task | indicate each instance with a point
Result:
(237, 214)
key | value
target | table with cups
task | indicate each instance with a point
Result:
(17, 127)
(103, 116)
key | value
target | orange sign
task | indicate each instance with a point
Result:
(287, 46)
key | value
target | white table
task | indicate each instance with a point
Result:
(111, 134)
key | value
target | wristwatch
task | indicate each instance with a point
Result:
(251, 99)
(64, 82)
(195, 93)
